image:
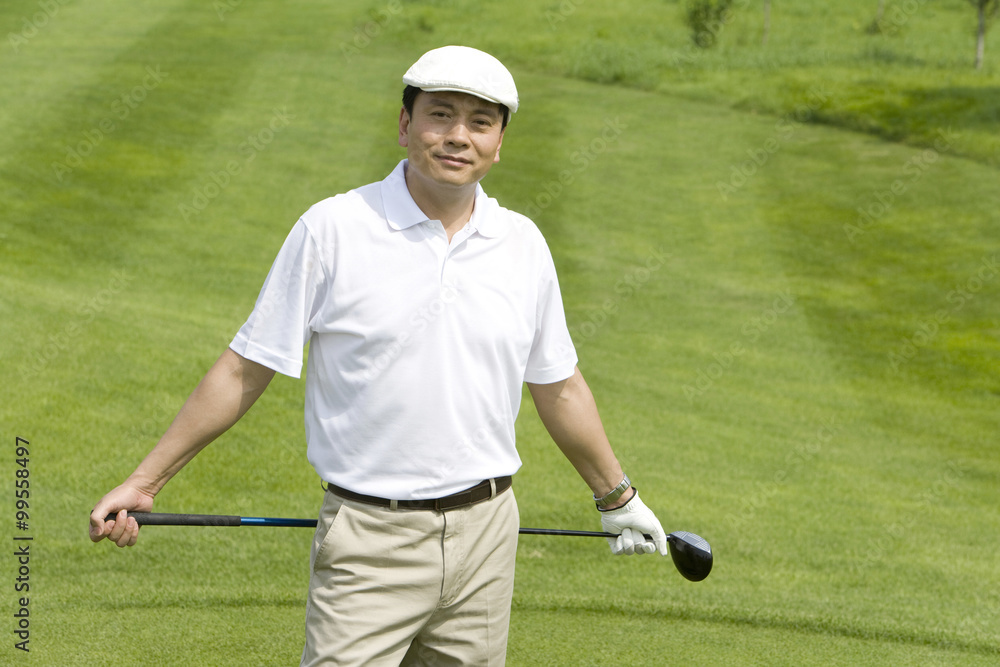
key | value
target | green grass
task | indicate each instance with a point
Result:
(814, 391)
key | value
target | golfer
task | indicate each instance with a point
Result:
(425, 305)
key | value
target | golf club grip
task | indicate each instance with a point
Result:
(163, 519)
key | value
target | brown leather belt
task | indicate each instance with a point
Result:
(483, 491)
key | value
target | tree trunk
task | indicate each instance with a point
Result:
(981, 36)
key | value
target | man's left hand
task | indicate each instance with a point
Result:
(629, 522)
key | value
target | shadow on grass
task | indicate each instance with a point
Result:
(918, 116)
(218, 601)
(803, 625)
(967, 107)
(884, 55)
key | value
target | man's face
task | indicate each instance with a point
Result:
(452, 139)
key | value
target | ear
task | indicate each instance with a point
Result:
(404, 128)
(496, 157)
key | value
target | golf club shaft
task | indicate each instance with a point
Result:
(162, 519)
(691, 554)
(578, 533)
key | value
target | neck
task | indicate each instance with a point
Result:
(452, 206)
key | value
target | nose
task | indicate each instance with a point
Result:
(458, 134)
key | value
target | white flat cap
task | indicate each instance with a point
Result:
(462, 69)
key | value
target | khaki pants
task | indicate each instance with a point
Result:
(411, 587)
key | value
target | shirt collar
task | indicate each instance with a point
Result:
(402, 212)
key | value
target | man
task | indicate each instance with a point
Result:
(426, 306)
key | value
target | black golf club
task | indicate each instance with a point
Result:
(691, 554)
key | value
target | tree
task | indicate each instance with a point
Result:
(986, 9)
(707, 18)
(875, 27)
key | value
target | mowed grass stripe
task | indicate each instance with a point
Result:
(928, 248)
(78, 236)
(52, 51)
(129, 132)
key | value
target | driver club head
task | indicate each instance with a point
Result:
(692, 555)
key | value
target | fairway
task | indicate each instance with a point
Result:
(780, 265)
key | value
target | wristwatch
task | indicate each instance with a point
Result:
(615, 494)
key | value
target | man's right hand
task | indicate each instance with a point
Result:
(122, 530)
(223, 396)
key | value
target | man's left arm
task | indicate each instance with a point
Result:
(569, 412)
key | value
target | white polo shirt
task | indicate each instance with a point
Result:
(417, 348)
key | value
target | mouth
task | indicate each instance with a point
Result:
(454, 160)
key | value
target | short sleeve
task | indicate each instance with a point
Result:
(280, 325)
(553, 357)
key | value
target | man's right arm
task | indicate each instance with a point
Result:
(223, 396)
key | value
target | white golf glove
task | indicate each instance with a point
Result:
(629, 523)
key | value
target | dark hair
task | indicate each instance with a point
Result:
(410, 95)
